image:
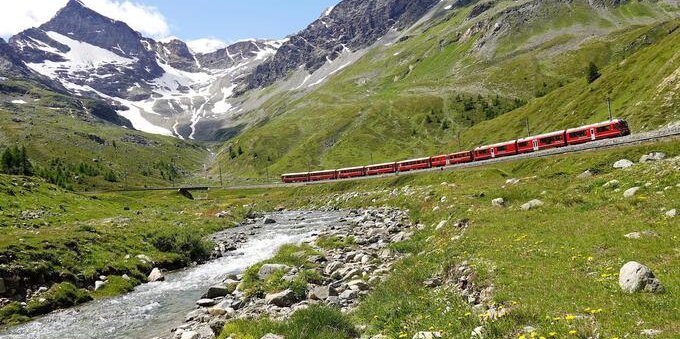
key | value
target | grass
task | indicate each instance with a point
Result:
(377, 109)
(556, 266)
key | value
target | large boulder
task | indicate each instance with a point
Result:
(284, 298)
(498, 202)
(206, 302)
(532, 204)
(631, 192)
(156, 275)
(217, 291)
(623, 163)
(636, 277)
(268, 269)
(190, 335)
(322, 292)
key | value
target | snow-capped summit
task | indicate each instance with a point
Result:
(206, 45)
(162, 87)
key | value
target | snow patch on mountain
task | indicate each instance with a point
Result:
(206, 45)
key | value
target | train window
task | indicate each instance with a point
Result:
(550, 140)
(483, 151)
(578, 134)
(502, 148)
(604, 129)
(523, 144)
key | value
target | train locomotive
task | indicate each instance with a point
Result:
(605, 130)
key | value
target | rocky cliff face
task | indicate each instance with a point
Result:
(352, 24)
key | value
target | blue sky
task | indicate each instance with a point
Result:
(232, 20)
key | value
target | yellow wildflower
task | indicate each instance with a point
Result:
(572, 332)
(570, 317)
(552, 334)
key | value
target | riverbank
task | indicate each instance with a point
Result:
(335, 268)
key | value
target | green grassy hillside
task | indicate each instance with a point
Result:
(77, 150)
(479, 75)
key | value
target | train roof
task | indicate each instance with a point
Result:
(292, 174)
(383, 164)
(495, 145)
(410, 160)
(322, 172)
(541, 136)
(351, 168)
(599, 124)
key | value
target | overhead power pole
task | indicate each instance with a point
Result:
(609, 105)
(528, 129)
(459, 147)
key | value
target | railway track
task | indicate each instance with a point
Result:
(640, 138)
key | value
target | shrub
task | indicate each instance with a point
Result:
(59, 296)
(592, 72)
(182, 242)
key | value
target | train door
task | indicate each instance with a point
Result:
(535, 143)
(493, 152)
(592, 134)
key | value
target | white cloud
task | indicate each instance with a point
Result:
(206, 45)
(17, 16)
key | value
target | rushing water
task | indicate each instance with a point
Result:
(154, 309)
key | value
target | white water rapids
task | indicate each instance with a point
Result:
(154, 309)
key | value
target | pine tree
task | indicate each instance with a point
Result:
(592, 73)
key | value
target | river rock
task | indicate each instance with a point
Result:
(332, 267)
(635, 277)
(190, 335)
(217, 291)
(284, 298)
(99, 284)
(358, 284)
(268, 269)
(427, 335)
(532, 204)
(349, 295)
(631, 192)
(268, 220)
(498, 202)
(156, 275)
(623, 163)
(217, 325)
(654, 156)
(322, 292)
(205, 302)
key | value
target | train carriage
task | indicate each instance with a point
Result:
(460, 158)
(541, 142)
(604, 130)
(496, 150)
(295, 177)
(414, 164)
(386, 168)
(323, 175)
(352, 172)
(439, 161)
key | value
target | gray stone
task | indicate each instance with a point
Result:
(217, 325)
(631, 192)
(190, 335)
(585, 175)
(359, 284)
(532, 204)
(650, 332)
(478, 332)
(654, 156)
(349, 295)
(144, 258)
(268, 269)
(427, 335)
(322, 292)
(498, 202)
(635, 277)
(99, 284)
(217, 291)
(432, 282)
(156, 275)
(623, 163)
(671, 213)
(284, 298)
(268, 220)
(638, 235)
(612, 184)
(205, 302)
(272, 336)
(332, 267)
(125, 276)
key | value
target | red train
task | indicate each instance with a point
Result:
(573, 136)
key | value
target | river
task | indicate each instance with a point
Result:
(154, 309)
